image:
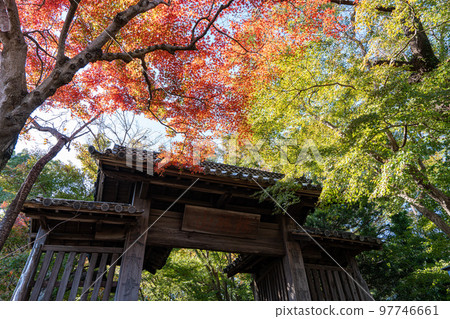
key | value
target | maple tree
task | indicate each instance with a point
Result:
(176, 61)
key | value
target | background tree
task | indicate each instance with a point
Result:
(195, 275)
(121, 128)
(414, 250)
(15, 207)
(375, 104)
(410, 265)
(57, 179)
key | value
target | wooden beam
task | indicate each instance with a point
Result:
(88, 278)
(294, 267)
(245, 209)
(167, 233)
(235, 186)
(255, 288)
(98, 280)
(36, 292)
(110, 278)
(28, 272)
(77, 277)
(100, 186)
(143, 193)
(133, 257)
(223, 200)
(85, 218)
(53, 276)
(83, 249)
(38, 207)
(226, 180)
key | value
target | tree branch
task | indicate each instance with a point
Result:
(405, 136)
(232, 39)
(5, 26)
(60, 76)
(127, 57)
(422, 181)
(322, 85)
(395, 63)
(65, 30)
(38, 46)
(48, 129)
(59, 135)
(355, 3)
(149, 88)
(392, 141)
(10, 17)
(435, 218)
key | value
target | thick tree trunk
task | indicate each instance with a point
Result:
(12, 80)
(424, 59)
(14, 209)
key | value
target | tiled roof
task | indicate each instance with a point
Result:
(238, 262)
(333, 234)
(78, 205)
(209, 167)
(367, 243)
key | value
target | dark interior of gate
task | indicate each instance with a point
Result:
(79, 245)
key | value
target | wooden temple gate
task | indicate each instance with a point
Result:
(97, 250)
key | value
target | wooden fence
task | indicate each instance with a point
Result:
(326, 283)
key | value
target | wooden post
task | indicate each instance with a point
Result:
(364, 291)
(23, 285)
(255, 288)
(294, 267)
(134, 250)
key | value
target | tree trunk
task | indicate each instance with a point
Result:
(12, 82)
(436, 194)
(424, 59)
(431, 215)
(421, 179)
(15, 207)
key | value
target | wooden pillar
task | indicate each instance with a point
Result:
(363, 289)
(134, 250)
(255, 288)
(23, 285)
(294, 267)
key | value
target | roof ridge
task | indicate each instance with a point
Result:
(213, 168)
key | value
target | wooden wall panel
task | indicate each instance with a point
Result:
(332, 283)
(270, 284)
(74, 273)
